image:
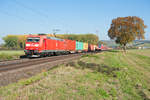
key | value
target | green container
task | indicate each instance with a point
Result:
(79, 45)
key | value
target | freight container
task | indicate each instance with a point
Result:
(90, 47)
(99, 47)
(85, 46)
(95, 47)
(79, 46)
(70, 45)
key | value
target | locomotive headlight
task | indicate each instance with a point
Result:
(36, 45)
(27, 44)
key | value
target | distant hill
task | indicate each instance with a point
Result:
(135, 43)
(142, 43)
(110, 43)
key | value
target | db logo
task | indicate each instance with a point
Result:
(32, 44)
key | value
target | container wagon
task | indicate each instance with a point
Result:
(90, 47)
(70, 45)
(85, 47)
(79, 46)
(99, 47)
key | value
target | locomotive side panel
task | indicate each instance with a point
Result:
(50, 45)
(61, 45)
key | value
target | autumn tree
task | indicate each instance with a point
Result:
(126, 29)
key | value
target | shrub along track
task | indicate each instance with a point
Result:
(14, 71)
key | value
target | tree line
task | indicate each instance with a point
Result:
(18, 41)
(88, 38)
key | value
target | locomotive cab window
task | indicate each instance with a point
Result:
(35, 39)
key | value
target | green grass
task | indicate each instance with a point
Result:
(105, 76)
(10, 54)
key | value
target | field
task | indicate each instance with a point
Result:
(10, 54)
(112, 75)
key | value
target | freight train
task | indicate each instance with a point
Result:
(42, 45)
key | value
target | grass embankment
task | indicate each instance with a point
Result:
(108, 75)
(10, 54)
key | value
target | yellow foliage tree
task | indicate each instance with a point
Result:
(126, 29)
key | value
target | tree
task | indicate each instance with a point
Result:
(126, 29)
(21, 41)
(11, 41)
(15, 41)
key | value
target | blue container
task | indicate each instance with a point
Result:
(79, 46)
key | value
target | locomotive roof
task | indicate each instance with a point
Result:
(54, 38)
(35, 36)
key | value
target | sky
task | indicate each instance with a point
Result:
(69, 16)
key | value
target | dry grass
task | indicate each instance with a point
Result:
(108, 75)
(10, 54)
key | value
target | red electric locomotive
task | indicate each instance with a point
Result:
(41, 45)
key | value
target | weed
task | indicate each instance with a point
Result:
(145, 94)
(10, 54)
(114, 51)
(113, 92)
(102, 92)
(100, 68)
(90, 56)
(81, 90)
(71, 64)
(33, 79)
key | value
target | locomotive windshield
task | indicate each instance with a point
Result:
(33, 39)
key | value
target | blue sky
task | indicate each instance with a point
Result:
(71, 16)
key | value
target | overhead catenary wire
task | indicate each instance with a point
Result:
(12, 15)
(41, 22)
(44, 15)
(23, 18)
(18, 18)
(35, 11)
(31, 9)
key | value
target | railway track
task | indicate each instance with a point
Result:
(30, 62)
(14, 71)
(22, 63)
